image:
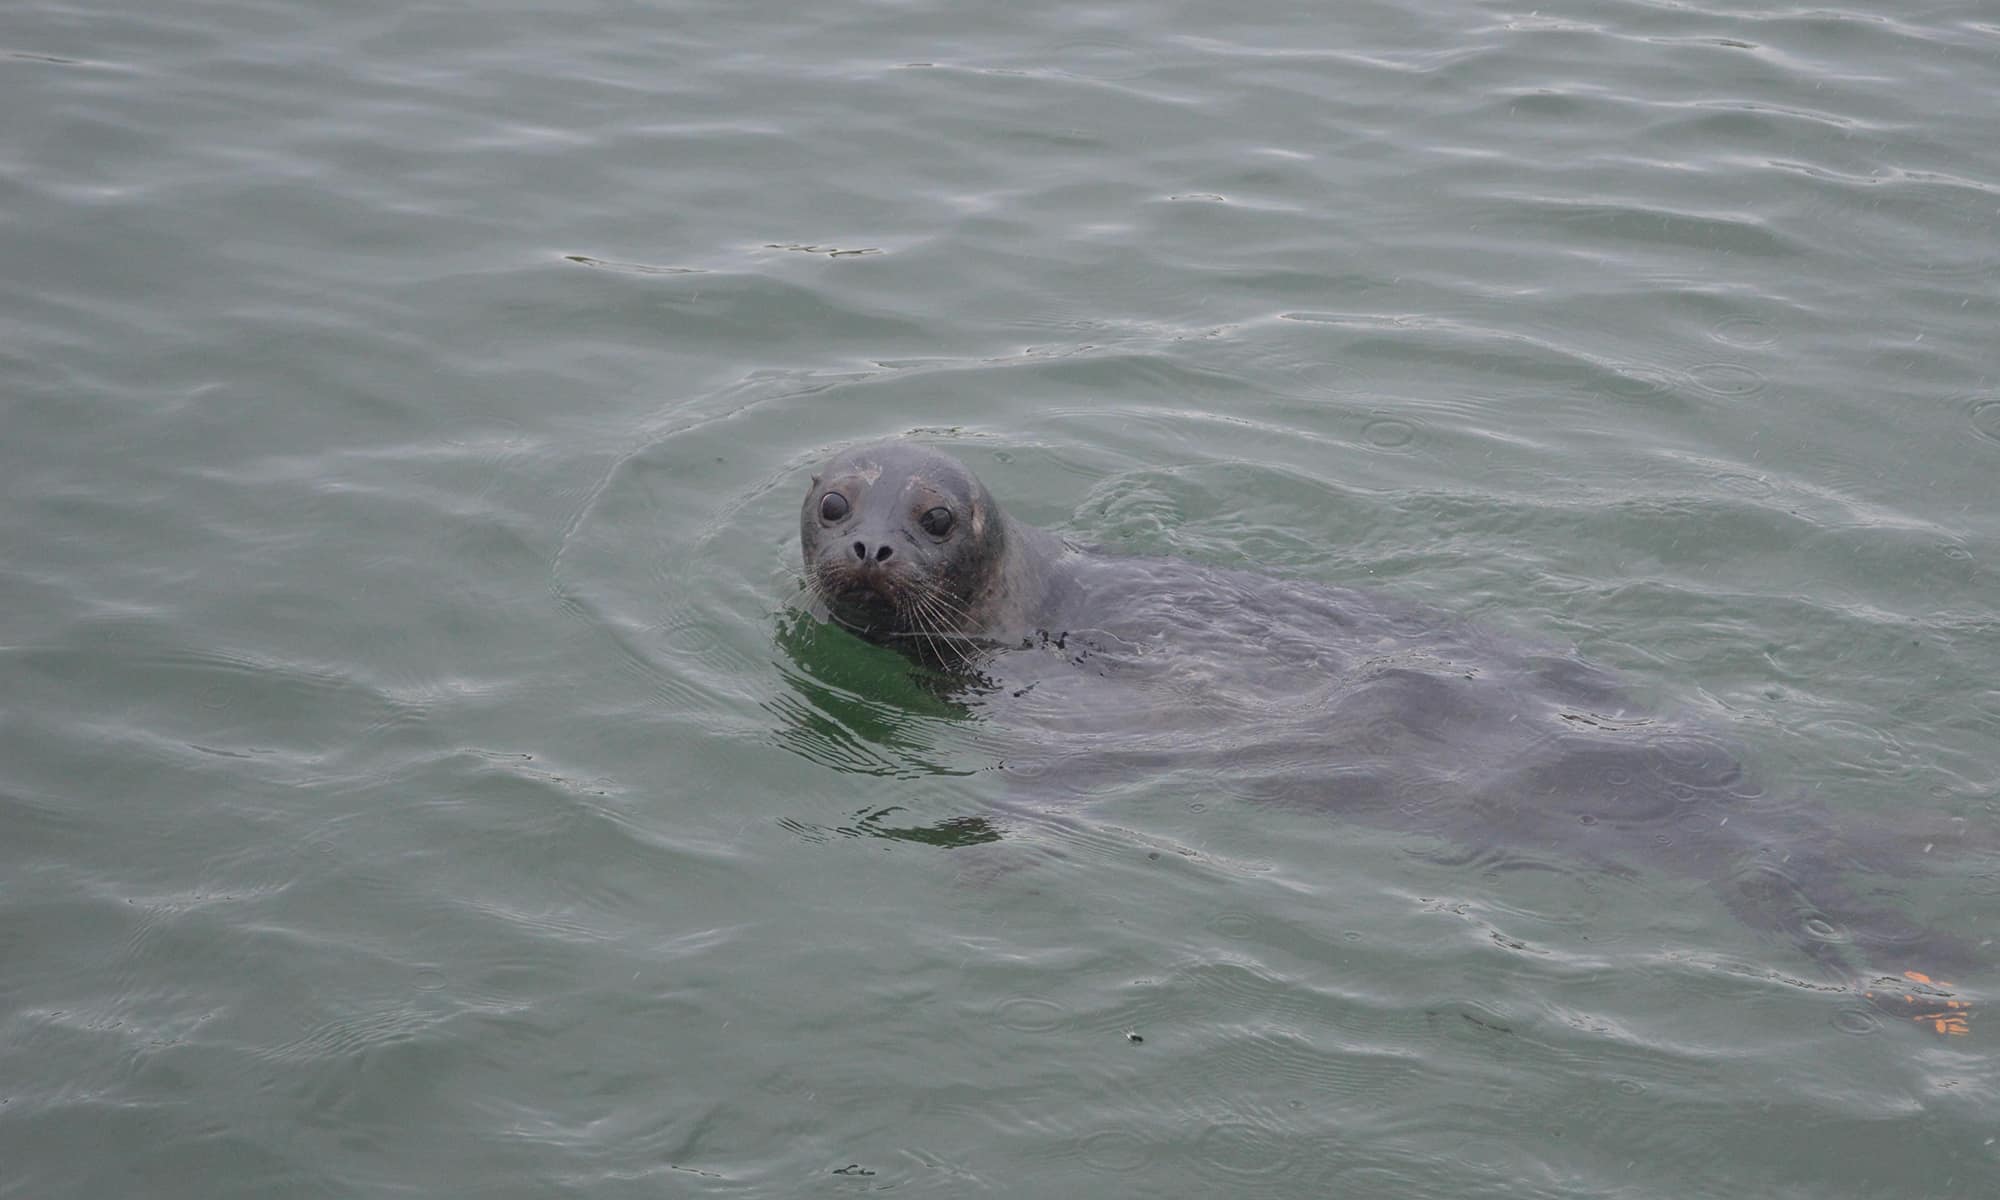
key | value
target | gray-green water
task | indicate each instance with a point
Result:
(409, 784)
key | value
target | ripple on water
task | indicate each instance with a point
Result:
(1915, 225)
(1263, 1055)
(1239, 1153)
(1114, 1151)
(1031, 1014)
(1126, 508)
(632, 267)
(1772, 888)
(1391, 433)
(1546, 891)
(1858, 748)
(1103, 58)
(1744, 484)
(1747, 332)
(1640, 381)
(1732, 380)
(249, 702)
(1235, 924)
(1983, 412)
(698, 638)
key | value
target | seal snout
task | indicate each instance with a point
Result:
(882, 552)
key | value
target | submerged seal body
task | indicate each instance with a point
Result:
(1117, 667)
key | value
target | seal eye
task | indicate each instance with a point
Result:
(832, 507)
(936, 522)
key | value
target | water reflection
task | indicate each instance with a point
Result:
(864, 709)
(951, 833)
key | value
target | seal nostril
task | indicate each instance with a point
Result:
(883, 554)
(861, 552)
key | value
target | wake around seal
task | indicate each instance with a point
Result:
(1379, 711)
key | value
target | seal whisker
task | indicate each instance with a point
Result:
(926, 616)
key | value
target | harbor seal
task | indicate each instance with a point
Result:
(1297, 692)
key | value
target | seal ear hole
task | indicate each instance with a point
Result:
(937, 522)
(832, 506)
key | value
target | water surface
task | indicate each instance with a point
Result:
(414, 778)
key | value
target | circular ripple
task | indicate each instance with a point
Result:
(1856, 1021)
(1234, 924)
(1031, 1014)
(1241, 1150)
(1636, 381)
(1113, 1150)
(1029, 767)
(1984, 413)
(1132, 508)
(688, 635)
(1551, 892)
(430, 979)
(1742, 331)
(1726, 379)
(1390, 433)
(1698, 822)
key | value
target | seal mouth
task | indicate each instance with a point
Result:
(868, 600)
(863, 608)
(887, 605)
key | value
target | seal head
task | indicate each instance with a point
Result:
(901, 541)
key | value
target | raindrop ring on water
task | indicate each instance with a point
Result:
(1114, 1150)
(1742, 331)
(1241, 1150)
(1726, 379)
(1389, 433)
(1985, 416)
(1030, 1014)
(1234, 924)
